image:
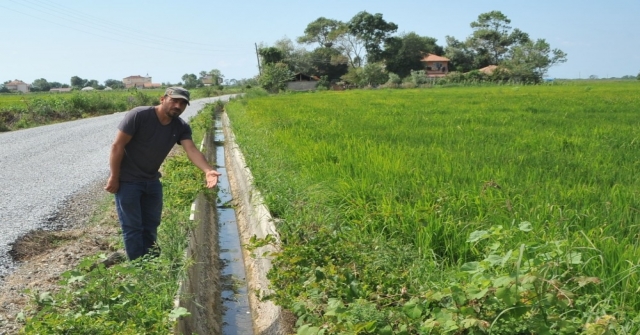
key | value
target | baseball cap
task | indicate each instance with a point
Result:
(177, 93)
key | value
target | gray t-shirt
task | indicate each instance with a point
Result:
(150, 144)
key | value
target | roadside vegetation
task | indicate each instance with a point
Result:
(461, 210)
(131, 297)
(20, 111)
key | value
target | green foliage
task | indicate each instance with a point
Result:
(191, 81)
(404, 212)
(129, 298)
(322, 31)
(274, 77)
(404, 53)
(270, 56)
(373, 30)
(419, 77)
(37, 109)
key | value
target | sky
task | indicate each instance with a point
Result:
(114, 39)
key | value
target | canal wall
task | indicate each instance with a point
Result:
(202, 290)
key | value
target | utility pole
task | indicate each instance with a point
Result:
(258, 57)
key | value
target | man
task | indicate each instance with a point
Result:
(144, 138)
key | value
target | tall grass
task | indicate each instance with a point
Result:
(426, 168)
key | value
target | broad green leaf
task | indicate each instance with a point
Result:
(494, 259)
(335, 307)
(449, 326)
(503, 281)
(412, 309)
(308, 330)
(468, 323)
(574, 258)
(471, 267)
(525, 226)
(507, 295)
(176, 313)
(458, 295)
(428, 325)
(476, 293)
(365, 326)
(386, 330)
(477, 236)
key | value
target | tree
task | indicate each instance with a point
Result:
(373, 30)
(322, 31)
(191, 81)
(375, 74)
(405, 53)
(350, 45)
(638, 77)
(298, 59)
(78, 82)
(492, 37)
(461, 57)
(40, 85)
(92, 83)
(274, 77)
(533, 59)
(114, 84)
(216, 76)
(271, 55)
(55, 84)
(328, 62)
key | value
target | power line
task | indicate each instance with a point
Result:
(180, 50)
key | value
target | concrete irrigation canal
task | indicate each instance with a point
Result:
(223, 287)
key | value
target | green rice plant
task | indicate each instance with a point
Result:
(425, 168)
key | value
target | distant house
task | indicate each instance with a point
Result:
(17, 86)
(60, 90)
(302, 82)
(208, 80)
(88, 88)
(139, 82)
(436, 66)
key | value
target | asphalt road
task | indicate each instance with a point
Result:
(42, 167)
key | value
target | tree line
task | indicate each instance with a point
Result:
(213, 77)
(365, 51)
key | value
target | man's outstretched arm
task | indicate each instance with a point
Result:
(197, 158)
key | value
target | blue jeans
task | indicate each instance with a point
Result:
(139, 206)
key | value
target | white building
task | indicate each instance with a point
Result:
(17, 85)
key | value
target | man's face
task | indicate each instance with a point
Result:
(173, 107)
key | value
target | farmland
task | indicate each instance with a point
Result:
(18, 111)
(514, 209)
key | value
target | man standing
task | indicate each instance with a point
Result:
(144, 138)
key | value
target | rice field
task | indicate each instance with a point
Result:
(428, 168)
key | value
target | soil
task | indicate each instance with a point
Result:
(87, 225)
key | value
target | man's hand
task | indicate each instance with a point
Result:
(113, 184)
(212, 178)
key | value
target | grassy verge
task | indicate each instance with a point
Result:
(132, 297)
(19, 111)
(504, 209)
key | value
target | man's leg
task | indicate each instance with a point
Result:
(128, 205)
(151, 205)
